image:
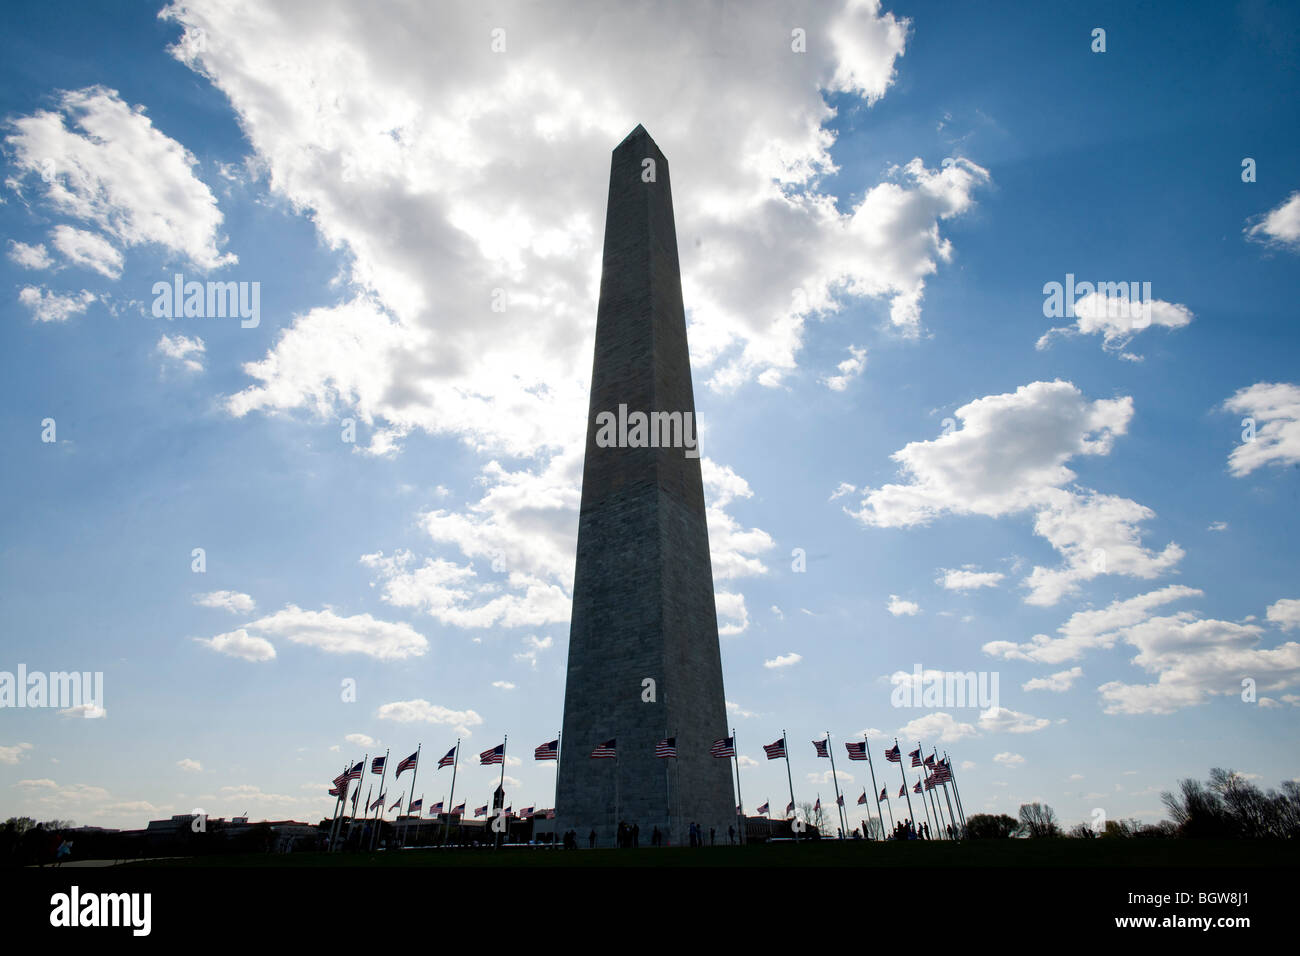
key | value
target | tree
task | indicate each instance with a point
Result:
(1083, 831)
(1197, 812)
(986, 826)
(814, 819)
(1037, 820)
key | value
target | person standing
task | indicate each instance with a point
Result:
(591, 839)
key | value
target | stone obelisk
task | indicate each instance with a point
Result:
(644, 661)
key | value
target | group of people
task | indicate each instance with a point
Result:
(907, 830)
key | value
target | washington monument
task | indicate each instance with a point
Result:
(644, 663)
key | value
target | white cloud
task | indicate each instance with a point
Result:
(29, 257)
(1002, 720)
(1217, 526)
(239, 643)
(1060, 681)
(503, 684)
(336, 634)
(965, 579)
(1009, 457)
(1275, 407)
(738, 711)
(1284, 613)
(849, 369)
(784, 660)
(186, 351)
(1279, 226)
(535, 646)
(1111, 314)
(361, 740)
(47, 306)
(192, 766)
(11, 755)
(844, 488)
(233, 601)
(898, 607)
(88, 250)
(103, 162)
(939, 725)
(1008, 759)
(413, 711)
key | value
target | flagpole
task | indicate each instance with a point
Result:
(785, 746)
(369, 790)
(874, 789)
(415, 773)
(365, 761)
(947, 797)
(555, 804)
(451, 801)
(338, 803)
(928, 818)
(383, 775)
(956, 791)
(906, 790)
(740, 801)
(934, 804)
(839, 805)
(890, 807)
(502, 785)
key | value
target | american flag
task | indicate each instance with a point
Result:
(789, 807)
(506, 811)
(775, 751)
(436, 808)
(857, 751)
(496, 755)
(548, 751)
(840, 800)
(379, 801)
(356, 772)
(478, 811)
(822, 749)
(354, 799)
(902, 791)
(527, 813)
(397, 803)
(929, 783)
(408, 764)
(862, 799)
(336, 791)
(726, 747)
(929, 761)
(884, 795)
(818, 805)
(666, 747)
(377, 765)
(762, 810)
(892, 754)
(460, 809)
(448, 760)
(942, 772)
(916, 757)
(417, 806)
(606, 751)
(341, 779)
(916, 788)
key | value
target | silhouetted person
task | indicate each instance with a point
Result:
(591, 839)
(731, 835)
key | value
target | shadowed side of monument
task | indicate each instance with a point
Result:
(643, 604)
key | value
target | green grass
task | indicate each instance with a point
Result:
(1004, 853)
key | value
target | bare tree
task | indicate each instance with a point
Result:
(1038, 820)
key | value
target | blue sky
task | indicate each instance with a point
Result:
(380, 177)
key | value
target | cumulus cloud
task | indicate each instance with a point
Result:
(940, 725)
(96, 159)
(1060, 681)
(29, 257)
(338, 634)
(233, 601)
(899, 608)
(416, 711)
(89, 250)
(182, 350)
(193, 766)
(47, 306)
(13, 754)
(1004, 720)
(784, 660)
(361, 740)
(1009, 457)
(1279, 226)
(1275, 409)
(968, 579)
(848, 370)
(1008, 759)
(1284, 613)
(239, 643)
(1117, 318)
